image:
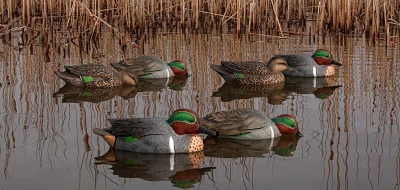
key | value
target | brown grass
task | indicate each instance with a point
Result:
(370, 17)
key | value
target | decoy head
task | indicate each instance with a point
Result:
(186, 121)
(178, 68)
(129, 77)
(323, 57)
(287, 124)
(278, 64)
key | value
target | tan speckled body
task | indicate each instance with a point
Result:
(101, 75)
(255, 73)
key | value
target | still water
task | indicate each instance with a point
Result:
(350, 122)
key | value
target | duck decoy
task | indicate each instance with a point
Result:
(246, 123)
(253, 72)
(320, 64)
(151, 67)
(178, 134)
(182, 170)
(96, 76)
(232, 91)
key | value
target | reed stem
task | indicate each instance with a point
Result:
(372, 17)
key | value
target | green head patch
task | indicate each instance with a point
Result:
(182, 116)
(321, 53)
(287, 121)
(177, 64)
(87, 78)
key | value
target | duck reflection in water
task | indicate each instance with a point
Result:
(183, 170)
(76, 94)
(284, 145)
(321, 87)
(274, 92)
(176, 83)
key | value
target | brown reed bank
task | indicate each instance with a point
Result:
(372, 18)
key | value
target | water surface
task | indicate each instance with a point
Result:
(350, 122)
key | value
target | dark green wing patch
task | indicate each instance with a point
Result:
(145, 75)
(130, 139)
(87, 79)
(242, 135)
(239, 75)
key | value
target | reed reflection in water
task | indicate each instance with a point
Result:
(350, 138)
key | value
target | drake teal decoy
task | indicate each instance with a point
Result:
(320, 64)
(152, 67)
(253, 72)
(96, 76)
(246, 123)
(182, 170)
(178, 134)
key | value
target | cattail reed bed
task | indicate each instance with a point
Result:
(372, 18)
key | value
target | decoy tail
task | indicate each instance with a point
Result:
(224, 74)
(109, 138)
(69, 78)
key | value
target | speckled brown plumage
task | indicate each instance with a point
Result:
(259, 80)
(253, 72)
(102, 76)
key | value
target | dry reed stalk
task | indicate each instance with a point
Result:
(243, 14)
(276, 17)
(386, 24)
(183, 9)
(322, 16)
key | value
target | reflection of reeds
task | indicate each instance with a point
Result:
(355, 124)
(370, 16)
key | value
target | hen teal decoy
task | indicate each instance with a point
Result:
(246, 123)
(232, 91)
(253, 72)
(320, 64)
(96, 76)
(152, 67)
(178, 134)
(77, 94)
